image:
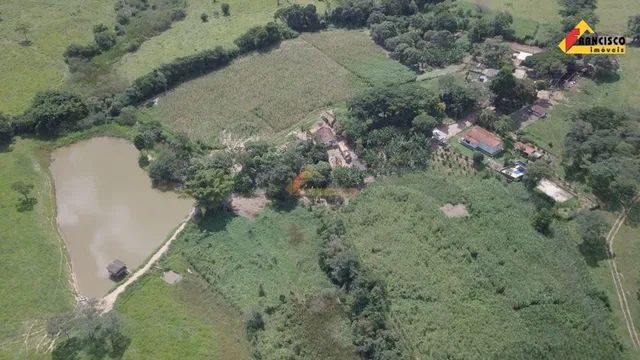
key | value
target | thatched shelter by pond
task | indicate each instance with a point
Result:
(117, 269)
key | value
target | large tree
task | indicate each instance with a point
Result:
(210, 187)
(53, 110)
(511, 93)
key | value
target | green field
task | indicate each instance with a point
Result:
(614, 14)
(55, 24)
(278, 253)
(35, 283)
(261, 94)
(549, 133)
(191, 35)
(529, 17)
(357, 53)
(164, 320)
(487, 286)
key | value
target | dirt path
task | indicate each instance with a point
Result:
(109, 300)
(617, 280)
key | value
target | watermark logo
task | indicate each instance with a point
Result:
(582, 40)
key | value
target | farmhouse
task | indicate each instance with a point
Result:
(117, 269)
(478, 138)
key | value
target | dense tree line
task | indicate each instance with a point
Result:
(603, 149)
(368, 304)
(301, 18)
(391, 127)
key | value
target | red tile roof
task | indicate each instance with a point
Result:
(481, 136)
(525, 148)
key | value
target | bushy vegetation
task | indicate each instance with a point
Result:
(602, 149)
(390, 127)
(300, 18)
(268, 268)
(504, 284)
(511, 93)
(136, 21)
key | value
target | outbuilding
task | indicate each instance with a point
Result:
(117, 269)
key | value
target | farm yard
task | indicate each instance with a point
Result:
(52, 25)
(549, 133)
(192, 34)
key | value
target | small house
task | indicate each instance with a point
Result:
(483, 140)
(117, 269)
(529, 150)
(324, 136)
(538, 111)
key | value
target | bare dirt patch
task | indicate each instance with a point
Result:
(455, 211)
(249, 207)
(553, 191)
(171, 277)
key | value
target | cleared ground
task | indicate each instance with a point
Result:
(35, 281)
(192, 35)
(486, 286)
(54, 24)
(261, 94)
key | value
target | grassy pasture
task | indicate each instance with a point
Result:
(270, 264)
(35, 283)
(259, 94)
(529, 17)
(357, 53)
(549, 133)
(55, 24)
(192, 35)
(165, 320)
(614, 14)
(487, 286)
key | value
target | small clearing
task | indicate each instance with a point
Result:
(171, 277)
(553, 191)
(249, 207)
(455, 211)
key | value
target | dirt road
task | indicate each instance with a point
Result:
(109, 300)
(617, 279)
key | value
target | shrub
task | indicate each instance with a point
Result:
(204, 17)
(254, 323)
(347, 177)
(225, 9)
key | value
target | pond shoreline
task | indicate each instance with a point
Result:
(106, 209)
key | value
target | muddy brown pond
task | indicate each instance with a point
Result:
(108, 210)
